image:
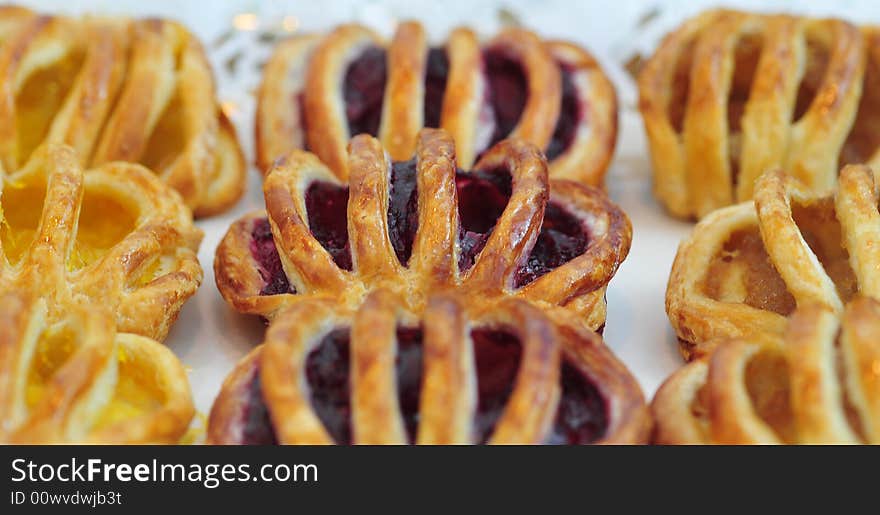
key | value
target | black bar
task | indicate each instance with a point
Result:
(432, 477)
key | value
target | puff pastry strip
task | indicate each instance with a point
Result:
(114, 236)
(118, 89)
(745, 268)
(819, 385)
(350, 81)
(502, 375)
(76, 380)
(418, 226)
(730, 95)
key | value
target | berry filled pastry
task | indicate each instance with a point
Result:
(745, 268)
(114, 236)
(117, 89)
(819, 384)
(319, 91)
(417, 226)
(462, 371)
(74, 379)
(730, 95)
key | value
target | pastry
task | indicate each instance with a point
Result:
(318, 91)
(421, 225)
(461, 372)
(730, 95)
(114, 236)
(745, 268)
(820, 384)
(117, 90)
(76, 380)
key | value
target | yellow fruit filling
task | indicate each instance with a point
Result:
(103, 222)
(40, 98)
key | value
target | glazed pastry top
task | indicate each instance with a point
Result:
(320, 91)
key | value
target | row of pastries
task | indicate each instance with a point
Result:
(436, 245)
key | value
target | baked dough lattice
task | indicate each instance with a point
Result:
(819, 385)
(745, 268)
(730, 95)
(74, 379)
(114, 236)
(318, 91)
(461, 372)
(117, 89)
(419, 226)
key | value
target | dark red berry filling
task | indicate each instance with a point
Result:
(327, 373)
(563, 237)
(327, 208)
(436, 73)
(408, 365)
(582, 416)
(569, 117)
(497, 355)
(482, 197)
(508, 92)
(256, 424)
(364, 90)
(265, 254)
(403, 208)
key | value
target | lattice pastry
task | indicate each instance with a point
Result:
(730, 95)
(114, 236)
(117, 90)
(76, 380)
(819, 385)
(318, 91)
(421, 225)
(461, 372)
(745, 268)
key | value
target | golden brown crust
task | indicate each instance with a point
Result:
(280, 102)
(448, 398)
(143, 272)
(808, 250)
(541, 111)
(323, 94)
(577, 286)
(134, 90)
(314, 67)
(224, 426)
(587, 158)
(517, 228)
(75, 380)
(227, 174)
(402, 114)
(465, 110)
(714, 129)
(817, 385)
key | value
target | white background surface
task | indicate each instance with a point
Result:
(209, 337)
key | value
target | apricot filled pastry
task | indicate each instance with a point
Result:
(318, 91)
(117, 89)
(745, 268)
(74, 379)
(820, 384)
(730, 95)
(114, 236)
(417, 226)
(459, 372)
